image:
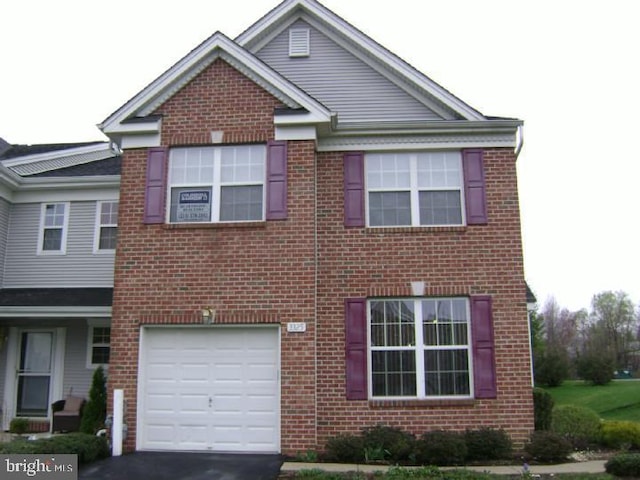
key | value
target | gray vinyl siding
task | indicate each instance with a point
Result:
(5, 212)
(3, 362)
(79, 267)
(77, 377)
(342, 82)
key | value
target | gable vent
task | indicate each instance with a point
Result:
(299, 42)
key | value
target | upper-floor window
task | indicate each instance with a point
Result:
(54, 222)
(413, 189)
(419, 348)
(106, 226)
(217, 184)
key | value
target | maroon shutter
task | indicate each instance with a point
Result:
(354, 189)
(155, 188)
(276, 180)
(484, 365)
(474, 186)
(356, 348)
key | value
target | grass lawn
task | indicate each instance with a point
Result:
(619, 400)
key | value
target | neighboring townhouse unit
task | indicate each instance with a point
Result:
(313, 238)
(58, 228)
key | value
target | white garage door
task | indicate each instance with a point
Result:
(213, 389)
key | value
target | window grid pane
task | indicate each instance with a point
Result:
(447, 372)
(241, 203)
(52, 239)
(389, 208)
(394, 373)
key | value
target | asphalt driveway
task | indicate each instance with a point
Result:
(183, 466)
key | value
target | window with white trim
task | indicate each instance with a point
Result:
(54, 222)
(99, 344)
(414, 189)
(106, 227)
(419, 348)
(217, 184)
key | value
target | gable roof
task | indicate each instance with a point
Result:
(361, 45)
(60, 159)
(134, 117)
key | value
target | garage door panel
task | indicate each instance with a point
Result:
(213, 389)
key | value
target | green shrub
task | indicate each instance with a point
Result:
(620, 435)
(547, 446)
(580, 426)
(441, 448)
(542, 409)
(595, 367)
(391, 444)
(19, 425)
(624, 465)
(95, 411)
(487, 444)
(88, 447)
(551, 368)
(345, 448)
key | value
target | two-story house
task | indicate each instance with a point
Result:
(314, 237)
(58, 229)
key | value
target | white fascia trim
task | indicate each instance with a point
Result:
(68, 192)
(149, 126)
(140, 140)
(54, 312)
(87, 182)
(373, 48)
(216, 46)
(99, 147)
(301, 132)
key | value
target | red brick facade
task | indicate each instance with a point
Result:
(301, 270)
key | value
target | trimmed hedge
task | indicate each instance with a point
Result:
(383, 444)
(580, 426)
(620, 435)
(546, 446)
(624, 465)
(88, 447)
(542, 409)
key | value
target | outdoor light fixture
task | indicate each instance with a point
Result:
(208, 315)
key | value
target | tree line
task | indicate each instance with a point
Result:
(594, 345)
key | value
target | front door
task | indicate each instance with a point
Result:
(34, 371)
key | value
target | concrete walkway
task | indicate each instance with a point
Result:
(592, 466)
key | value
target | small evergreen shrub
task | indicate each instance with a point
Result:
(580, 426)
(19, 425)
(624, 465)
(88, 447)
(547, 446)
(94, 412)
(440, 447)
(345, 448)
(542, 409)
(620, 435)
(487, 444)
(388, 444)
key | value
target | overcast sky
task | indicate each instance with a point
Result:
(568, 68)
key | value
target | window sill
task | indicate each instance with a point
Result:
(421, 403)
(415, 230)
(215, 226)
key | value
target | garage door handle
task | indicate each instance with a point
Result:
(210, 401)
